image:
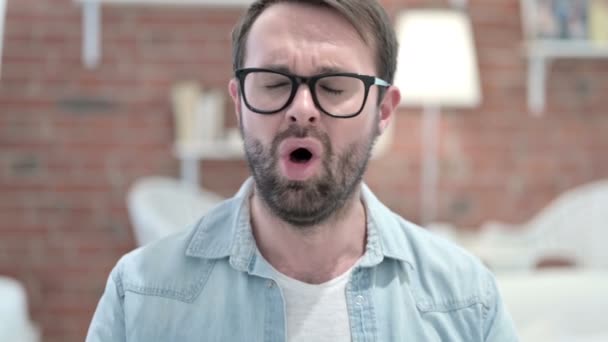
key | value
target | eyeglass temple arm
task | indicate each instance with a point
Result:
(381, 82)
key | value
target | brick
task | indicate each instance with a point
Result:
(73, 140)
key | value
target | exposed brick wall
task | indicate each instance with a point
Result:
(72, 140)
(498, 161)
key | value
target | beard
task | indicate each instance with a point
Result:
(313, 201)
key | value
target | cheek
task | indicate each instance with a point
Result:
(261, 127)
(345, 132)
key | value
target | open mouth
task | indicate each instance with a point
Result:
(300, 155)
(300, 159)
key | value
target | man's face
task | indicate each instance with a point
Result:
(306, 164)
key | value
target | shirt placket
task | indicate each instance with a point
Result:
(274, 319)
(360, 306)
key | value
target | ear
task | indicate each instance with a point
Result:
(233, 89)
(389, 104)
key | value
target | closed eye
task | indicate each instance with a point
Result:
(276, 85)
(331, 90)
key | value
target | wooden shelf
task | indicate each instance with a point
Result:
(190, 154)
(218, 3)
(563, 48)
(220, 150)
(541, 51)
(91, 19)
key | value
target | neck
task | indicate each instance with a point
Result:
(312, 254)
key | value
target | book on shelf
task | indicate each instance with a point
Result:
(598, 22)
(562, 19)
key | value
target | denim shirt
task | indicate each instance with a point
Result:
(211, 284)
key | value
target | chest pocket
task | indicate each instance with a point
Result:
(452, 319)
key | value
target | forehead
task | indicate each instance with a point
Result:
(303, 36)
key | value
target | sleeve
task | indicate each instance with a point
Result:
(498, 325)
(108, 322)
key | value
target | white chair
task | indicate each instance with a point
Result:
(558, 305)
(565, 305)
(573, 227)
(160, 206)
(15, 325)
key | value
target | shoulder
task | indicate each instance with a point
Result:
(440, 271)
(162, 268)
(444, 275)
(178, 266)
(452, 289)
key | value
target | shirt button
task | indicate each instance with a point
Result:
(360, 300)
(270, 284)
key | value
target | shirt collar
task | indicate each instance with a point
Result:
(226, 232)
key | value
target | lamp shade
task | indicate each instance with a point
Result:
(437, 64)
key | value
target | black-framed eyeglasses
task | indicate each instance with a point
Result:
(340, 95)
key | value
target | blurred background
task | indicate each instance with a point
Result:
(98, 97)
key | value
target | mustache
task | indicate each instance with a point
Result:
(297, 131)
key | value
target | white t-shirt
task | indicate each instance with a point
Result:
(316, 312)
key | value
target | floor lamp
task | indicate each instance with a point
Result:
(437, 67)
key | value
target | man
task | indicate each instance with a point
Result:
(304, 251)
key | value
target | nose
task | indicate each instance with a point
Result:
(303, 110)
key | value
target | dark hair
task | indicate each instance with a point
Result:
(367, 17)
